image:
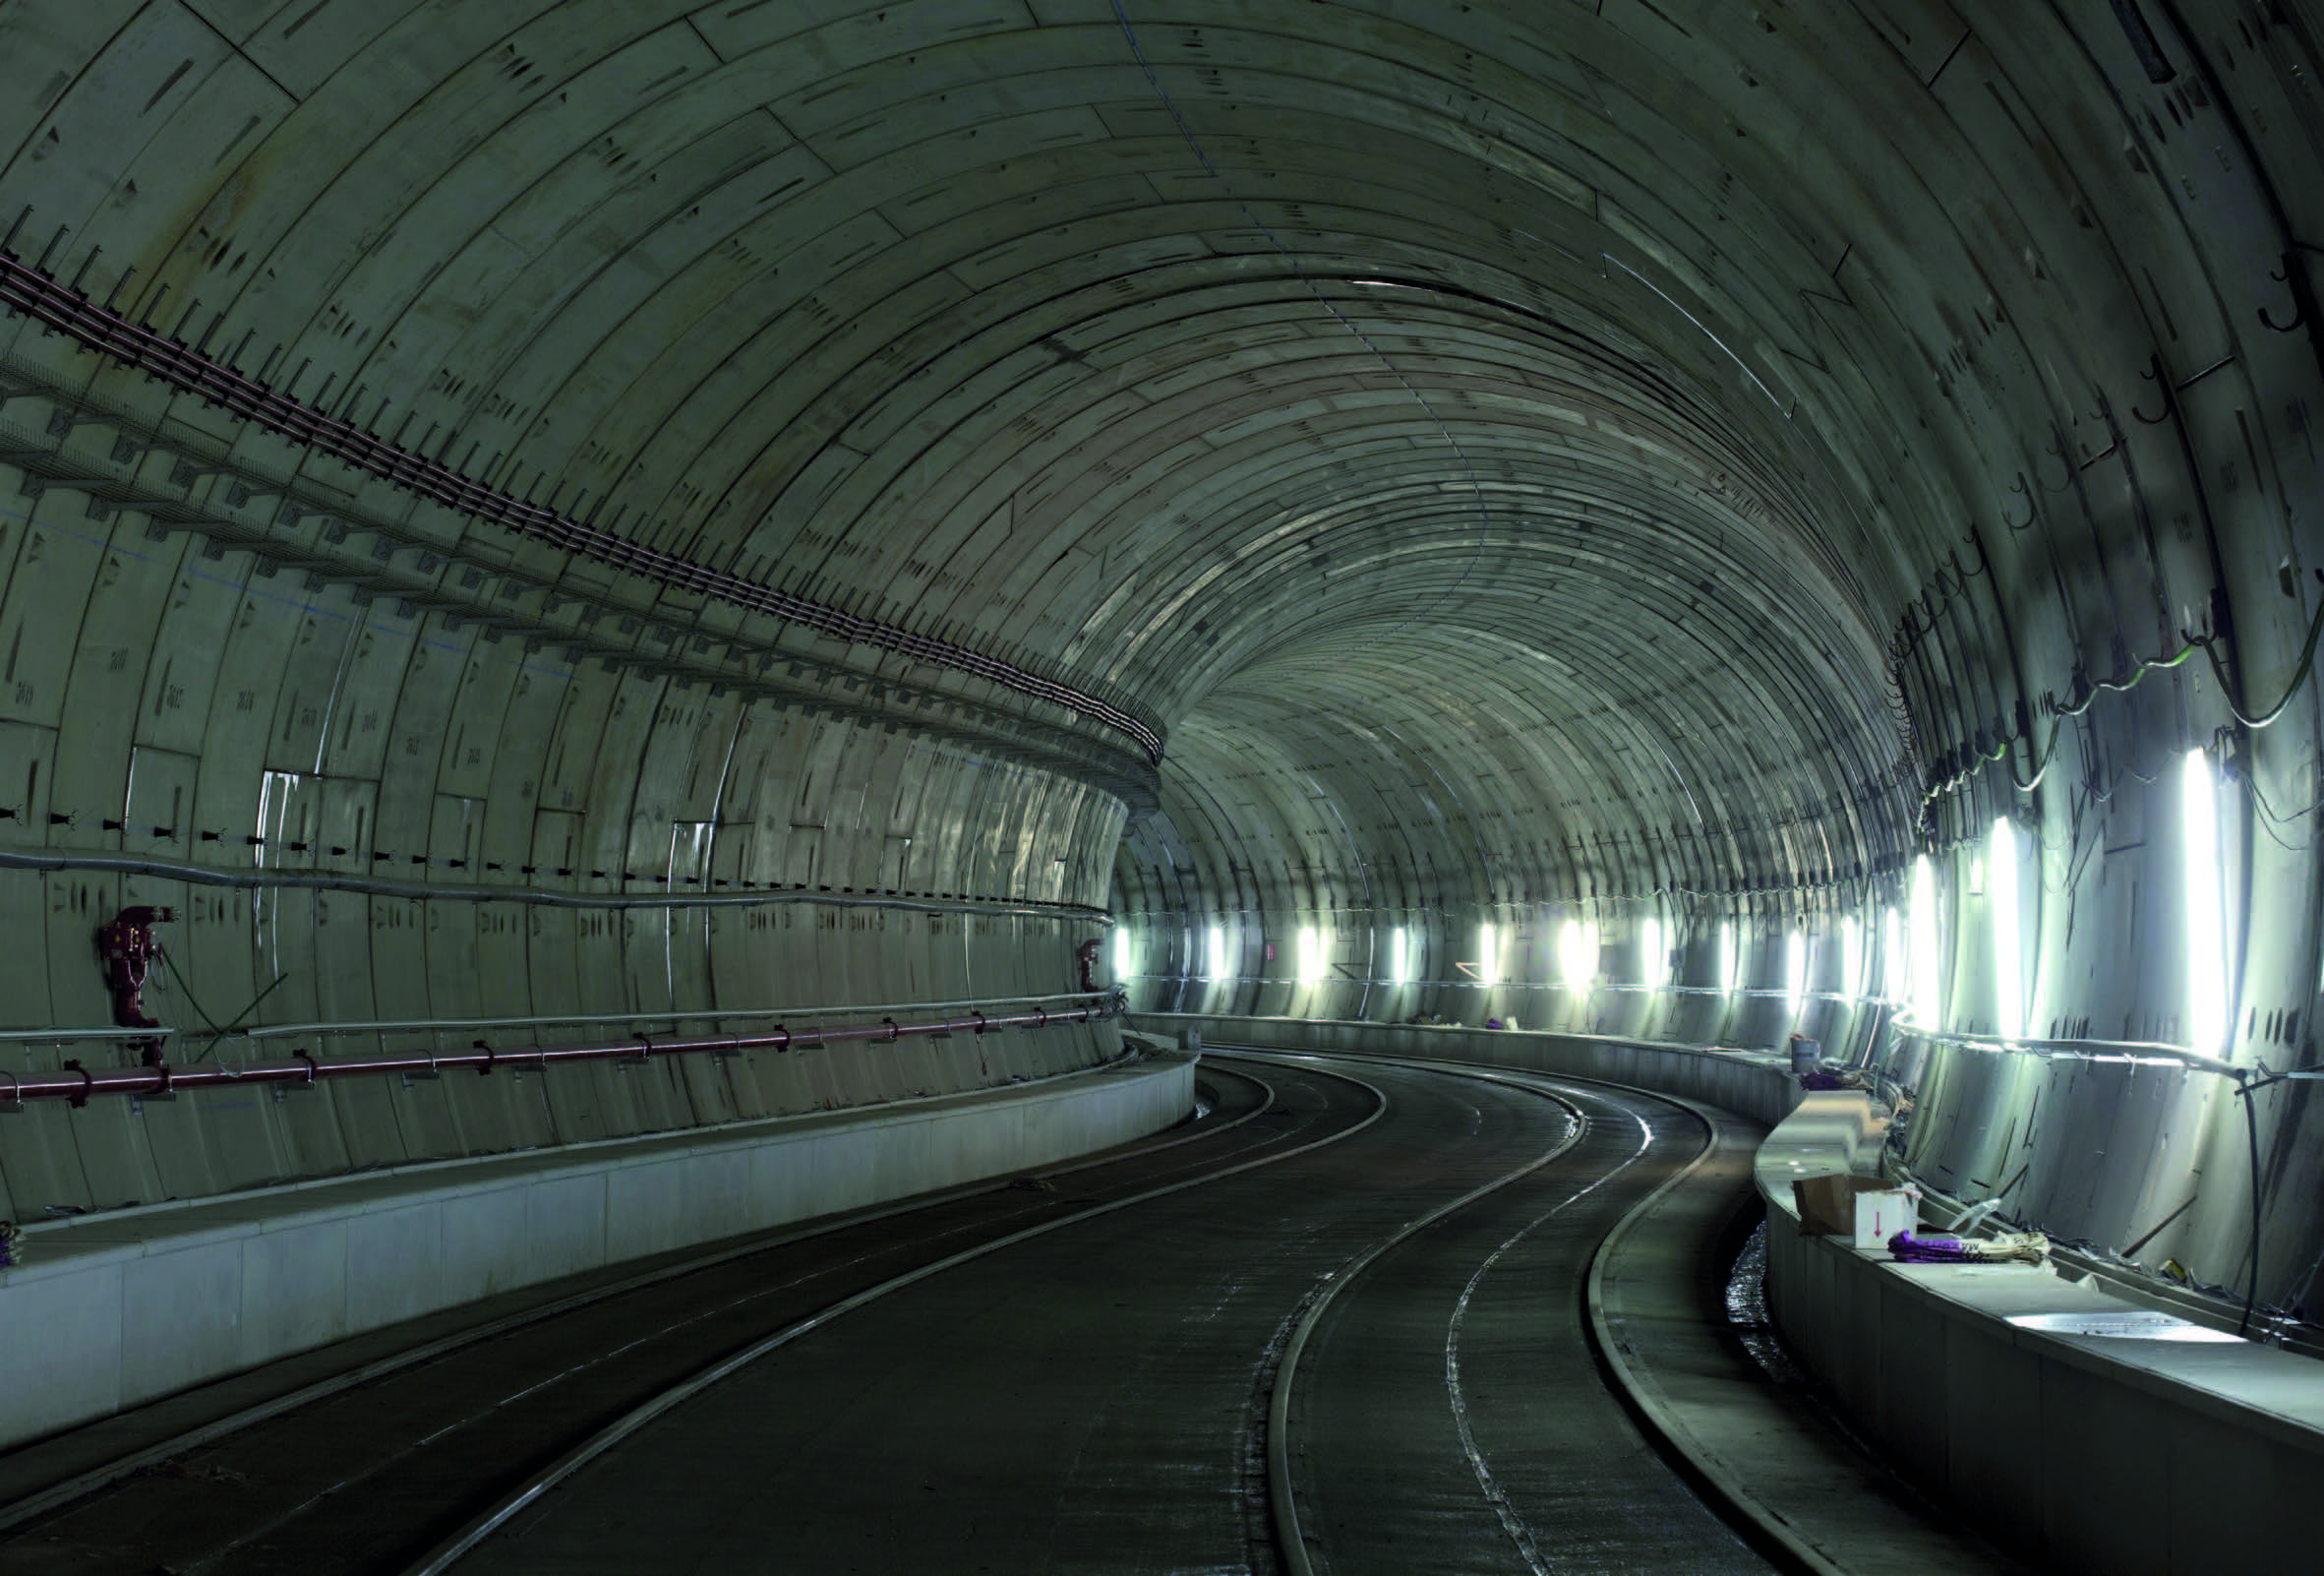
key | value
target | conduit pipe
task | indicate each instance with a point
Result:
(273, 877)
(75, 1083)
(29, 290)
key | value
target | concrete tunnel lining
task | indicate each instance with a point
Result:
(1526, 464)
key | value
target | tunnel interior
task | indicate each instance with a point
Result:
(1619, 517)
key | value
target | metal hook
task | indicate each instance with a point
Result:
(2154, 374)
(2299, 312)
(2019, 487)
(2057, 451)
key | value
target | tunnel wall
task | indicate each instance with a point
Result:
(2094, 1453)
(172, 702)
(2091, 1128)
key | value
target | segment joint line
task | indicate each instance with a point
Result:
(1299, 272)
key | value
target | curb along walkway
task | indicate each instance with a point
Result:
(1765, 1448)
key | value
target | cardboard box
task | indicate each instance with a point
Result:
(1882, 1215)
(1826, 1203)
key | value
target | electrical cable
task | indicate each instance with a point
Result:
(2243, 1093)
(2059, 711)
(2306, 666)
(240, 1020)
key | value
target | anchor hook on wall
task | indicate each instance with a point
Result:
(2018, 486)
(2299, 315)
(2155, 374)
(2056, 449)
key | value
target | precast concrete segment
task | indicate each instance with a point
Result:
(361, 1477)
(1095, 1400)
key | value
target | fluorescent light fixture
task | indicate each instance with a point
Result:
(1488, 943)
(1578, 955)
(1894, 980)
(1311, 955)
(1730, 960)
(1795, 971)
(2008, 934)
(1217, 951)
(1399, 965)
(1121, 953)
(2206, 928)
(1925, 1002)
(1654, 972)
(1851, 957)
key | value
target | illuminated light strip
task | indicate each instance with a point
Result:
(2206, 932)
(33, 293)
(2008, 937)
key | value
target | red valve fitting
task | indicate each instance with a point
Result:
(127, 949)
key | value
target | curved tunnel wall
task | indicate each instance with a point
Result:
(1528, 462)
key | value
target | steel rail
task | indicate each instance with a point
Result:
(1283, 1508)
(77, 1083)
(1758, 1529)
(81, 1485)
(490, 1520)
(27, 289)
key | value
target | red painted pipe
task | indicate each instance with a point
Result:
(77, 1083)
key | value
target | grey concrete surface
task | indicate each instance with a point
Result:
(1537, 511)
(1094, 1401)
(363, 1477)
(2096, 1454)
(123, 1307)
(1761, 1441)
(1753, 1084)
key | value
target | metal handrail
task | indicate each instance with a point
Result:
(59, 1036)
(285, 1031)
(77, 1084)
(2074, 1050)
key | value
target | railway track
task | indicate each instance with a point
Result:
(1192, 1352)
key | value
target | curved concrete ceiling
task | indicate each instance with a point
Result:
(1604, 384)
(1653, 359)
